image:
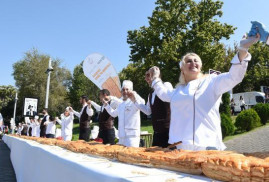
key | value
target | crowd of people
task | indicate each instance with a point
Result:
(186, 116)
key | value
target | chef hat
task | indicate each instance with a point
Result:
(67, 109)
(36, 117)
(127, 84)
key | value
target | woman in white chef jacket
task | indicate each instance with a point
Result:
(66, 123)
(195, 119)
(129, 117)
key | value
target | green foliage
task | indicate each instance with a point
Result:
(263, 112)
(247, 120)
(81, 85)
(175, 28)
(7, 97)
(227, 126)
(7, 93)
(31, 80)
(225, 105)
(258, 70)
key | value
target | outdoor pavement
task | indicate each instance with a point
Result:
(7, 173)
(253, 141)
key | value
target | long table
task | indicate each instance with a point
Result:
(34, 162)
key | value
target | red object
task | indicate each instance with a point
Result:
(99, 140)
(59, 138)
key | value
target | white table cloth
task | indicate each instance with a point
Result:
(34, 162)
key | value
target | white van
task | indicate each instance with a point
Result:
(250, 98)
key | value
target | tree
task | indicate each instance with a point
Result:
(31, 80)
(258, 70)
(225, 105)
(7, 97)
(175, 28)
(81, 85)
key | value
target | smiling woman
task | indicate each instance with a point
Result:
(194, 103)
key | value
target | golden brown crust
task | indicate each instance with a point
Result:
(219, 165)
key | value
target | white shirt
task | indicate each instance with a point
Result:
(1, 119)
(33, 126)
(146, 108)
(129, 117)
(89, 111)
(114, 103)
(51, 127)
(67, 124)
(241, 102)
(195, 118)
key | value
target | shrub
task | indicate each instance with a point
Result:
(247, 120)
(227, 126)
(225, 105)
(263, 112)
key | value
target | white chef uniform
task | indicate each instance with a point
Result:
(129, 122)
(195, 118)
(66, 126)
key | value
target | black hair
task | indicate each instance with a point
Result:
(52, 118)
(104, 92)
(85, 97)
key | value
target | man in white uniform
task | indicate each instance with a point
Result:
(67, 124)
(51, 127)
(129, 117)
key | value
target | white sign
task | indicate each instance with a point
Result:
(30, 107)
(102, 73)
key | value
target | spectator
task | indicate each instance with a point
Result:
(242, 103)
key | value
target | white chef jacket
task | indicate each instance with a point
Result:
(51, 127)
(195, 118)
(129, 117)
(66, 124)
(114, 103)
(146, 108)
(88, 110)
(33, 126)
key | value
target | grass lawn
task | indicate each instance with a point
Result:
(146, 125)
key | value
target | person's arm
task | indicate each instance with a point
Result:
(116, 100)
(58, 120)
(144, 108)
(96, 106)
(164, 93)
(75, 112)
(112, 112)
(226, 81)
(46, 122)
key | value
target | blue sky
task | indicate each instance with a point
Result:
(70, 30)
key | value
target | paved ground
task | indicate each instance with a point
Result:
(254, 141)
(7, 173)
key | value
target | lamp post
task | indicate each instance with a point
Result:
(49, 70)
(14, 114)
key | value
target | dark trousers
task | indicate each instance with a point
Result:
(108, 136)
(243, 107)
(161, 139)
(43, 131)
(84, 134)
(50, 136)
